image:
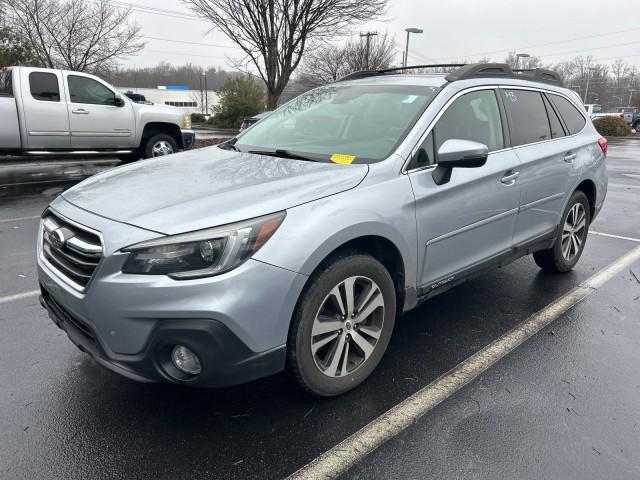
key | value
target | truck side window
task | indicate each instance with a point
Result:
(44, 86)
(87, 90)
(6, 87)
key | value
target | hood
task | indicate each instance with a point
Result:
(208, 187)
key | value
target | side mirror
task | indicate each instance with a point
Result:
(456, 153)
(118, 102)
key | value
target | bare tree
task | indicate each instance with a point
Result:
(274, 34)
(619, 69)
(328, 63)
(81, 35)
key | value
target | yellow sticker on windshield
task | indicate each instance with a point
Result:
(343, 159)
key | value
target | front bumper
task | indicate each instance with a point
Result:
(237, 322)
(188, 138)
(225, 359)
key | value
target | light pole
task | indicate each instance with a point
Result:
(630, 96)
(406, 48)
(519, 56)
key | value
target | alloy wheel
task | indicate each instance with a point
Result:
(573, 232)
(347, 326)
(161, 148)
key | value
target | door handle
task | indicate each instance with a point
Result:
(510, 177)
(80, 111)
(570, 157)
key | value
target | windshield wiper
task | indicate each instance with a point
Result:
(278, 152)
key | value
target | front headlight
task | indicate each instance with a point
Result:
(186, 121)
(204, 252)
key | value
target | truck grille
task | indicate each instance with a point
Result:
(73, 251)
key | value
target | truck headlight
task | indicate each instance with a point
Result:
(202, 253)
(186, 121)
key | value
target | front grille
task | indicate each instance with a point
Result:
(63, 315)
(72, 250)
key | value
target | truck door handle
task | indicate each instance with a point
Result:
(80, 111)
(570, 157)
(510, 177)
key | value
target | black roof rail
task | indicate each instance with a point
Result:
(374, 73)
(503, 70)
(473, 70)
(481, 70)
(541, 75)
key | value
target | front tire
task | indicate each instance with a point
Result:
(159, 145)
(569, 244)
(342, 325)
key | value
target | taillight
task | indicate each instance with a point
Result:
(603, 145)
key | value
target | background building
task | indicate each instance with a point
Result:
(192, 101)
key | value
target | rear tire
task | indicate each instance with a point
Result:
(571, 238)
(338, 338)
(159, 145)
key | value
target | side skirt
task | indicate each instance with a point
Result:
(447, 282)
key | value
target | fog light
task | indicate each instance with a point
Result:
(186, 360)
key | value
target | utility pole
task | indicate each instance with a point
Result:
(206, 94)
(368, 35)
(586, 90)
(201, 96)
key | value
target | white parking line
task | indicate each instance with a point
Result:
(349, 452)
(19, 296)
(19, 219)
(610, 235)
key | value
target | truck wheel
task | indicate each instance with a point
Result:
(572, 236)
(159, 145)
(342, 325)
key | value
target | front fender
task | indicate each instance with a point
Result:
(312, 231)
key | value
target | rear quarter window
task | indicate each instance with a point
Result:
(44, 86)
(6, 85)
(572, 117)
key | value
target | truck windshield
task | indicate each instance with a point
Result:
(341, 123)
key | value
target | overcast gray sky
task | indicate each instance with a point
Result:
(555, 30)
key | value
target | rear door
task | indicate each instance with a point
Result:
(96, 122)
(469, 220)
(45, 109)
(548, 167)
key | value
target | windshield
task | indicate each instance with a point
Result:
(341, 123)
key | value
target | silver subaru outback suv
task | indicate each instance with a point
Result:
(297, 244)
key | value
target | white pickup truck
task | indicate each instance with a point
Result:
(47, 111)
(595, 111)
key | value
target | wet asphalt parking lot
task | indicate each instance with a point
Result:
(563, 404)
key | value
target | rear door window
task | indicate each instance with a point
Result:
(556, 126)
(572, 117)
(44, 86)
(6, 87)
(529, 121)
